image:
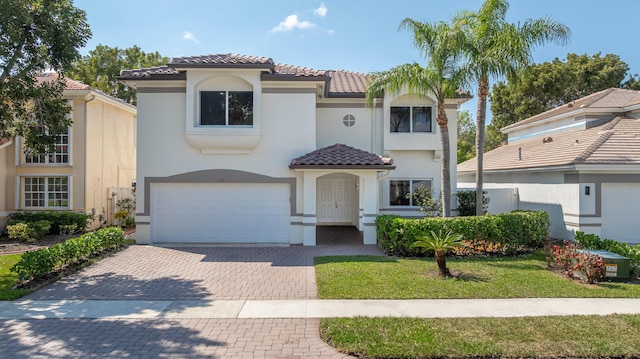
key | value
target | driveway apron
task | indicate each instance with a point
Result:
(182, 273)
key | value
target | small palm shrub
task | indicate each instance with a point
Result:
(440, 243)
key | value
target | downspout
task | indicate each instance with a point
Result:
(84, 185)
(373, 126)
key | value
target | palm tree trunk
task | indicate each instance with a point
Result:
(445, 174)
(441, 260)
(483, 92)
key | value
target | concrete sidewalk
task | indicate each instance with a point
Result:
(271, 309)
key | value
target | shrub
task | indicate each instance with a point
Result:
(56, 219)
(423, 198)
(504, 233)
(467, 202)
(42, 263)
(29, 232)
(592, 241)
(20, 232)
(570, 260)
(67, 229)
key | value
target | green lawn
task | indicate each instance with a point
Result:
(8, 279)
(377, 277)
(538, 337)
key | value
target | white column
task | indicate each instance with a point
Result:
(309, 218)
(369, 196)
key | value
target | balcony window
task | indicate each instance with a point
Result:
(410, 119)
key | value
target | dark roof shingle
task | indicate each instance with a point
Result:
(340, 155)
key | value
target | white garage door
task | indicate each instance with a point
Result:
(220, 213)
(621, 212)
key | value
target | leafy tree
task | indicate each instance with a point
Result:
(466, 136)
(441, 76)
(103, 64)
(35, 36)
(548, 85)
(440, 243)
(497, 48)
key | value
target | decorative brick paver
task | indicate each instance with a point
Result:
(198, 273)
(186, 338)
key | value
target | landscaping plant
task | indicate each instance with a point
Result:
(440, 243)
(571, 261)
(467, 202)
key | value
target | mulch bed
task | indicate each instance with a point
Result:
(11, 246)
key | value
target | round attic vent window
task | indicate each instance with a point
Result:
(349, 120)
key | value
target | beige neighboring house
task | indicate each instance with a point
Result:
(579, 162)
(97, 154)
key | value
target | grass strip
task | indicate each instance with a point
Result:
(530, 337)
(379, 277)
(8, 279)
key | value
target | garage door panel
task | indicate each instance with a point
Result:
(220, 213)
(621, 211)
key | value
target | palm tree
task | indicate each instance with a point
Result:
(440, 243)
(496, 48)
(439, 43)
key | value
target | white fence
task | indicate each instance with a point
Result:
(116, 194)
(500, 199)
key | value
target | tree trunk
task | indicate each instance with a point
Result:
(483, 92)
(441, 260)
(445, 175)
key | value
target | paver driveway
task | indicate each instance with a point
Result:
(203, 273)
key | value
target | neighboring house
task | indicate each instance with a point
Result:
(239, 149)
(580, 162)
(96, 154)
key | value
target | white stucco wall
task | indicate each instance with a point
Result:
(330, 128)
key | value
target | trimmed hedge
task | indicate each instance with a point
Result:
(504, 232)
(56, 218)
(592, 241)
(41, 263)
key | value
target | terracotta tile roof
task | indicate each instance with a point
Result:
(155, 72)
(222, 59)
(341, 156)
(70, 84)
(348, 82)
(341, 82)
(298, 71)
(615, 142)
(609, 98)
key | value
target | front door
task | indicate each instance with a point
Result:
(335, 200)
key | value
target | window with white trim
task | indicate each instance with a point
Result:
(400, 191)
(226, 108)
(46, 192)
(60, 155)
(410, 119)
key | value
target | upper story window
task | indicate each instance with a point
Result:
(226, 108)
(410, 119)
(61, 154)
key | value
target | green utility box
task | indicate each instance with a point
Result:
(616, 266)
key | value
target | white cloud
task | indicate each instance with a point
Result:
(321, 11)
(190, 37)
(292, 22)
(330, 32)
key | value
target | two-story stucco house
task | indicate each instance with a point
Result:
(240, 149)
(97, 153)
(580, 162)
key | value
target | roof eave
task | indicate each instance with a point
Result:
(343, 167)
(177, 77)
(221, 66)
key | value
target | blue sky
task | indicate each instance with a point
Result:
(354, 35)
